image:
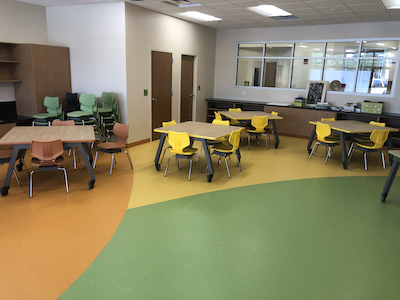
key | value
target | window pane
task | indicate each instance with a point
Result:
(278, 50)
(375, 76)
(251, 50)
(276, 73)
(379, 49)
(309, 50)
(248, 72)
(345, 49)
(304, 70)
(341, 74)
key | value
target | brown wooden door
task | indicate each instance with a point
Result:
(187, 88)
(161, 89)
(270, 74)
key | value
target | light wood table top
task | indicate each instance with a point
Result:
(247, 115)
(67, 134)
(200, 130)
(350, 126)
(395, 152)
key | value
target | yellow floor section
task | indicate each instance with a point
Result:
(288, 162)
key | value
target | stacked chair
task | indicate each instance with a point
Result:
(54, 112)
(108, 114)
(88, 113)
(72, 103)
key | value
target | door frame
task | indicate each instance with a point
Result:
(194, 103)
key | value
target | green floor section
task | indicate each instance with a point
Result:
(327, 238)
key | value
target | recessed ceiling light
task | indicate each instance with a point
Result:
(391, 4)
(199, 16)
(269, 11)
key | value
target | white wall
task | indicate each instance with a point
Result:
(225, 59)
(147, 31)
(95, 35)
(20, 23)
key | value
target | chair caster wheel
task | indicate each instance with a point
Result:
(209, 177)
(91, 184)
(4, 190)
(383, 197)
(19, 167)
(158, 167)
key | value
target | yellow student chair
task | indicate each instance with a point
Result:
(180, 143)
(333, 135)
(257, 129)
(165, 124)
(376, 141)
(217, 116)
(225, 150)
(235, 122)
(325, 138)
(219, 140)
(363, 138)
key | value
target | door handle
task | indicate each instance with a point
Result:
(154, 99)
(191, 95)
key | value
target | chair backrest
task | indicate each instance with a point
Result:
(122, 132)
(178, 141)
(221, 122)
(88, 102)
(235, 109)
(274, 113)
(63, 123)
(379, 137)
(322, 130)
(108, 100)
(217, 115)
(327, 119)
(377, 123)
(259, 123)
(53, 105)
(234, 139)
(72, 101)
(165, 124)
(46, 151)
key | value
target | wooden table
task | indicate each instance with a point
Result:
(344, 127)
(72, 136)
(197, 131)
(247, 115)
(392, 174)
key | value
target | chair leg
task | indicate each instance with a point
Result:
(365, 161)
(16, 177)
(65, 179)
(74, 157)
(351, 149)
(312, 151)
(227, 167)
(190, 168)
(328, 154)
(166, 168)
(112, 162)
(383, 160)
(95, 160)
(31, 183)
(238, 162)
(164, 154)
(248, 140)
(266, 141)
(129, 158)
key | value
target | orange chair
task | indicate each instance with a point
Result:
(122, 132)
(67, 123)
(46, 155)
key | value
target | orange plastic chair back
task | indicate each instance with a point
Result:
(47, 151)
(122, 132)
(235, 109)
(165, 124)
(221, 122)
(259, 123)
(63, 123)
(379, 137)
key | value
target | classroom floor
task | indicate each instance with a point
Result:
(286, 227)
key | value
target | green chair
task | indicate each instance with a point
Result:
(54, 112)
(107, 114)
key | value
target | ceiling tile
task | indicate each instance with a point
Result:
(367, 7)
(323, 3)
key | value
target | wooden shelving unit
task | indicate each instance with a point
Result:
(9, 61)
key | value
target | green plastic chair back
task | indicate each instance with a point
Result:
(53, 105)
(88, 103)
(108, 100)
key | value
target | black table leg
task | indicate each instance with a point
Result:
(344, 150)
(208, 159)
(86, 160)
(276, 134)
(390, 178)
(310, 141)
(390, 147)
(159, 150)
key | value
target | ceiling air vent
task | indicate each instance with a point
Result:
(286, 18)
(181, 3)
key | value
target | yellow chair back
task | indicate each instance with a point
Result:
(327, 119)
(259, 123)
(274, 113)
(323, 130)
(220, 122)
(217, 115)
(379, 137)
(377, 123)
(234, 139)
(235, 109)
(165, 124)
(178, 141)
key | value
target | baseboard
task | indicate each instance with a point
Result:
(138, 143)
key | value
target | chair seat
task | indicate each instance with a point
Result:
(187, 151)
(223, 148)
(331, 139)
(78, 114)
(45, 116)
(366, 145)
(104, 110)
(110, 145)
(36, 162)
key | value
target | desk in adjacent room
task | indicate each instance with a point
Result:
(248, 115)
(197, 131)
(72, 136)
(344, 127)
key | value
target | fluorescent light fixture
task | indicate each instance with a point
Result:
(269, 11)
(391, 4)
(199, 16)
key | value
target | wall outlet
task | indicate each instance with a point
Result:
(198, 88)
(244, 93)
(145, 92)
